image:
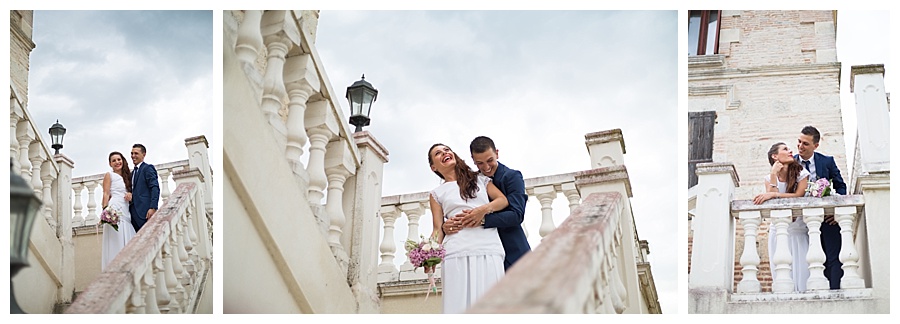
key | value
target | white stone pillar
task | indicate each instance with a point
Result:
(782, 282)
(712, 265)
(275, 26)
(872, 118)
(301, 81)
(387, 271)
(321, 127)
(546, 195)
(198, 157)
(815, 257)
(249, 39)
(62, 193)
(364, 243)
(413, 212)
(849, 256)
(874, 231)
(750, 220)
(606, 148)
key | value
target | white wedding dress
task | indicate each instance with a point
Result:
(114, 241)
(473, 260)
(798, 243)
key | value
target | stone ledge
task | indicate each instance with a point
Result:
(604, 137)
(601, 175)
(796, 205)
(706, 61)
(864, 69)
(718, 167)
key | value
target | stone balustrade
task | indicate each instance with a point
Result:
(415, 206)
(307, 124)
(165, 268)
(575, 269)
(846, 210)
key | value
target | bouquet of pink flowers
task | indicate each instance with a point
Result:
(427, 254)
(110, 216)
(820, 188)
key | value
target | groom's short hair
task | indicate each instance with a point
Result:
(811, 131)
(481, 144)
(140, 146)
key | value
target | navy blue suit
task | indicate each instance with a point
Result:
(826, 168)
(509, 220)
(144, 194)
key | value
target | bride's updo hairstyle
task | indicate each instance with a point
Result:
(465, 177)
(126, 172)
(793, 169)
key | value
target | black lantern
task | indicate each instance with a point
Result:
(57, 131)
(23, 208)
(361, 95)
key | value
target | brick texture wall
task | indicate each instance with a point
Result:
(780, 67)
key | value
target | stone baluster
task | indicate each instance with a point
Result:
(546, 195)
(92, 216)
(191, 239)
(571, 193)
(815, 257)
(163, 298)
(849, 256)
(172, 283)
(78, 220)
(249, 39)
(338, 166)
(13, 142)
(387, 248)
(620, 294)
(37, 160)
(164, 185)
(48, 174)
(413, 212)
(301, 81)
(321, 128)
(184, 262)
(137, 302)
(179, 257)
(782, 282)
(25, 135)
(148, 285)
(750, 220)
(606, 295)
(277, 44)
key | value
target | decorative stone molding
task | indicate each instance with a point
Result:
(601, 175)
(764, 71)
(864, 69)
(719, 167)
(605, 137)
(727, 90)
(364, 138)
(706, 61)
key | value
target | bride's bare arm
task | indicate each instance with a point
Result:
(437, 219)
(106, 196)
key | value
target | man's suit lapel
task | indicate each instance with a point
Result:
(821, 169)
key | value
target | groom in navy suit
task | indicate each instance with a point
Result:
(507, 221)
(822, 166)
(145, 188)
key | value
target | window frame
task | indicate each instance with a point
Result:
(703, 33)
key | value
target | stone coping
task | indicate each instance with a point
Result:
(864, 69)
(719, 167)
(605, 137)
(796, 205)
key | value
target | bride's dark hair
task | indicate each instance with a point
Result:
(465, 177)
(793, 169)
(126, 172)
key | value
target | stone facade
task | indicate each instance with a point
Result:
(775, 72)
(20, 47)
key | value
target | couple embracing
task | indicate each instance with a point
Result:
(477, 217)
(134, 195)
(790, 177)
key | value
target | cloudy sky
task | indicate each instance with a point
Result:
(534, 81)
(115, 78)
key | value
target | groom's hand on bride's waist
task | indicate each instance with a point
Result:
(471, 217)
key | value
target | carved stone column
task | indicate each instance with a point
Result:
(571, 193)
(48, 174)
(782, 282)
(712, 265)
(849, 255)
(92, 216)
(25, 135)
(387, 271)
(321, 128)
(275, 26)
(750, 220)
(78, 219)
(302, 81)
(546, 195)
(339, 165)
(815, 257)
(249, 39)
(413, 212)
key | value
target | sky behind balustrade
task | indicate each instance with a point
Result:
(116, 78)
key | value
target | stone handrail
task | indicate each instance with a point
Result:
(282, 65)
(164, 268)
(846, 210)
(544, 189)
(574, 270)
(92, 184)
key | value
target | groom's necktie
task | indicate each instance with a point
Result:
(806, 165)
(134, 176)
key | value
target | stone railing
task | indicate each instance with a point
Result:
(576, 268)
(846, 210)
(165, 267)
(414, 206)
(296, 98)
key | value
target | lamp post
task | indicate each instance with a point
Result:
(360, 94)
(57, 131)
(23, 207)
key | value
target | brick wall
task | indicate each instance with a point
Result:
(778, 75)
(20, 46)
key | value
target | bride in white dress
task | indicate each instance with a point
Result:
(787, 180)
(473, 260)
(117, 195)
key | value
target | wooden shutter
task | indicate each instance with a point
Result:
(700, 145)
